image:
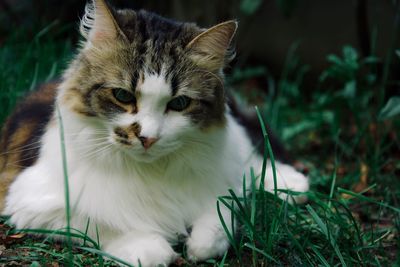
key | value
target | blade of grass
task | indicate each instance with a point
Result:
(362, 197)
(105, 254)
(324, 229)
(333, 183)
(298, 245)
(253, 248)
(66, 185)
(52, 253)
(320, 257)
(243, 219)
(222, 262)
(269, 152)
(227, 232)
(86, 232)
(238, 202)
(253, 205)
(79, 234)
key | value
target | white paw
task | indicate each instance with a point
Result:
(288, 178)
(149, 250)
(206, 243)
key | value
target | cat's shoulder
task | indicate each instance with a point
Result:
(35, 108)
(22, 131)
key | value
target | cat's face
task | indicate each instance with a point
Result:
(151, 83)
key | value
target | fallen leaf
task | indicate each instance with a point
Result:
(363, 183)
(180, 262)
(18, 236)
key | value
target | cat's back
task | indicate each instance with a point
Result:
(21, 134)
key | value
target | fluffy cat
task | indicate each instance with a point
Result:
(150, 141)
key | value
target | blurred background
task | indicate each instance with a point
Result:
(268, 28)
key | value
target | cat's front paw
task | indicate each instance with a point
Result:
(145, 251)
(206, 243)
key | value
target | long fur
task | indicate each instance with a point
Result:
(87, 21)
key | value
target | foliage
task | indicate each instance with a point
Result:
(350, 146)
(391, 109)
(27, 61)
(250, 7)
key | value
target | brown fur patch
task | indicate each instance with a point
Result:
(75, 100)
(134, 129)
(127, 134)
(21, 134)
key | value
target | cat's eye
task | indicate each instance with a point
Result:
(179, 103)
(124, 96)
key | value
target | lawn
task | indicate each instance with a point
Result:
(344, 131)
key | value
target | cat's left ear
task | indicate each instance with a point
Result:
(211, 48)
(99, 24)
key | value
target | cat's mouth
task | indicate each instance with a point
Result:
(133, 148)
(136, 150)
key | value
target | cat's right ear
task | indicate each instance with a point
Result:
(98, 23)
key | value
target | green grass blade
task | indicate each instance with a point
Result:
(227, 232)
(268, 148)
(362, 197)
(265, 156)
(253, 248)
(253, 197)
(60, 232)
(238, 202)
(106, 255)
(66, 183)
(52, 253)
(320, 257)
(86, 232)
(327, 234)
(222, 262)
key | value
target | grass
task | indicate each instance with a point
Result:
(350, 149)
(29, 59)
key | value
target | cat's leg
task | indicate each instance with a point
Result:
(287, 177)
(208, 238)
(150, 249)
(35, 201)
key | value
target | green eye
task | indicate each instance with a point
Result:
(179, 103)
(124, 96)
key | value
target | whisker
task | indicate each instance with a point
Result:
(87, 148)
(86, 141)
(21, 160)
(88, 133)
(16, 151)
(91, 154)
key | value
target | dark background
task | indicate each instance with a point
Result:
(268, 28)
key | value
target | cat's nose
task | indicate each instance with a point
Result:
(147, 142)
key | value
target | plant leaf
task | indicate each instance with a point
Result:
(391, 109)
(249, 7)
(398, 52)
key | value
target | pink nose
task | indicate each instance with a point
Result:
(147, 142)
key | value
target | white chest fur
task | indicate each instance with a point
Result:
(165, 196)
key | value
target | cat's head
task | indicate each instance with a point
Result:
(151, 82)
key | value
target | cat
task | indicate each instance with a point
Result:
(150, 141)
